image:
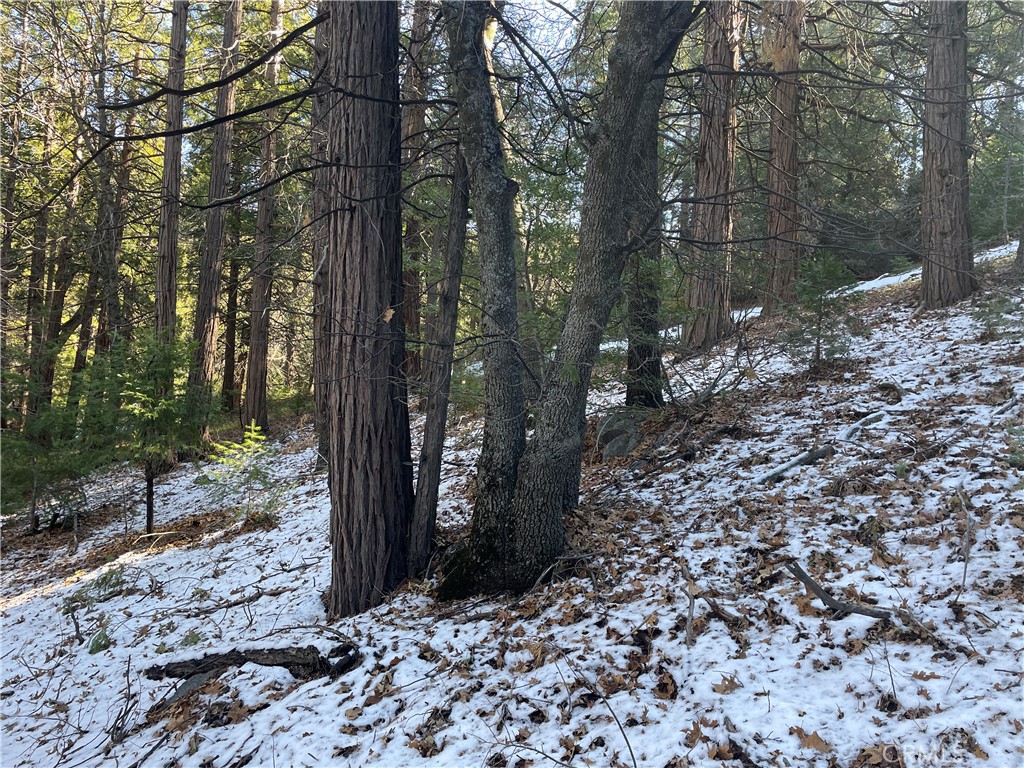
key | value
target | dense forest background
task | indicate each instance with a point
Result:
(173, 182)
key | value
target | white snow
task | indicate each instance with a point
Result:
(920, 508)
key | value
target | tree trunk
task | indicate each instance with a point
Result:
(547, 486)
(10, 174)
(200, 379)
(493, 194)
(369, 462)
(263, 268)
(948, 271)
(35, 305)
(708, 291)
(106, 218)
(322, 328)
(783, 43)
(439, 351)
(229, 395)
(642, 283)
(414, 123)
(166, 293)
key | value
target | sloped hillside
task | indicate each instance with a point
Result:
(689, 629)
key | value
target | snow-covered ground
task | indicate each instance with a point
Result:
(682, 638)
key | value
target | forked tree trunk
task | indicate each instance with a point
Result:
(200, 378)
(783, 43)
(547, 486)
(263, 267)
(948, 271)
(493, 194)
(439, 350)
(369, 462)
(708, 290)
(642, 278)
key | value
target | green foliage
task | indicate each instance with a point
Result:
(191, 638)
(107, 585)
(822, 316)
(100, 640)
(1015, 446)
(242, 479)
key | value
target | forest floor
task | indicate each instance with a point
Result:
(687, 633)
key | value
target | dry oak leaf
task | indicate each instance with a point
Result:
(666, 687)
(811, 740)
(728, 684)
(920, 675)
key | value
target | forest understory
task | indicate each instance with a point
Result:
(812, 568)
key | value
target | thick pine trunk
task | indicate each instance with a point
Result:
(947, 274)
(708, 292)
(783, 212)
(493, 195)
(369, 463)
(439, 350)
(263, 268)
(201, 372)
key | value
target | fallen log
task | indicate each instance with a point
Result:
(304, 663)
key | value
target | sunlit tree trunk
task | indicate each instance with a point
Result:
(783, 45)
(165, 296)
(263, 266)
(948, 271)
(369, 462)
(708, 290)
(211, 258)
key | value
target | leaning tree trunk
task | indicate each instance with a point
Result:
(439, 351)
(783, 43)
(708, 291)
(369, 462)
(263, 268)
(200, 378)
(493, 193)
(948, 271)
(547, 486)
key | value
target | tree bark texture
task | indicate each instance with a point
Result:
(439, 351)
(493, 194)
(263, 268)
(947, 274)
(708, 291)
(200, 378)
(547, 486)
(414, 123)
(369, 463)
(165, 296)
(783, 44)
(644, 383)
